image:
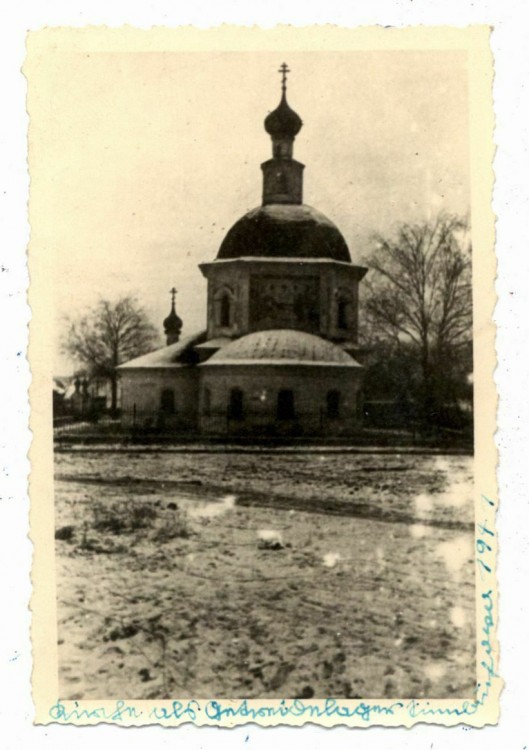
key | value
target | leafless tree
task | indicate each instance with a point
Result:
(110, 333)
(419, 295)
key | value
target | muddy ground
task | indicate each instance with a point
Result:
(264, 575)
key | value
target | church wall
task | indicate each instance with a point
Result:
(260, 386)
(144, 405)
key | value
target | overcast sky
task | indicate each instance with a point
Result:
(145, 160)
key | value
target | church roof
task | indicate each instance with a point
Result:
(281, 347)
(174, 355)
(284, 231)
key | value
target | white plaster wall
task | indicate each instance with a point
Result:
(143, 388)
(260, 385)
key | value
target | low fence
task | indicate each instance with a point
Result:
(139, 426)
(105, 425)
(127, 424)
(136, 423)
(223, 422)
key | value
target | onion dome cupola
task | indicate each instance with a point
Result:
(283, 124)
(172, 324)
(282, 175)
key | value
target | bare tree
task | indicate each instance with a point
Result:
(419, 297)
(110, 333)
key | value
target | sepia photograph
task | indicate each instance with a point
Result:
(260, 273)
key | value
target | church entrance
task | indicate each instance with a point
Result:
(236, 405)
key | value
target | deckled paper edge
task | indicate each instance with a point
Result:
(44, 628)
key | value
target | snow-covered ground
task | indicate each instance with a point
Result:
(264, 575)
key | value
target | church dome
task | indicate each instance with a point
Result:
(284, 231)
(283, 121)
(281, 347)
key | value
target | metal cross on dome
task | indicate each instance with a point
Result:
(284, 69)
(173, 294)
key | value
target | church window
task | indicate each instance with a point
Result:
(281, 182)
(167, 404)
(342, 314)
(333, 404)
(285, 405)
(207, 402)
(225, 311)
(236, 405)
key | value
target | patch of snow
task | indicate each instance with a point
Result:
(457, 495)
(270, 539)
(434, 671)
(423, 505)
(330, 559)
(441, 464)
(458, 617)
(213, 509)
(419, 530)
(455, 553)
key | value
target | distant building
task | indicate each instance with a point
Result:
(80, 396)
(282, 323)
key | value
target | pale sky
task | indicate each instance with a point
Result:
(145, 160)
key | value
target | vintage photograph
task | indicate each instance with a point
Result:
(260, 273)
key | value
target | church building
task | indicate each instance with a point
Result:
(277, 356)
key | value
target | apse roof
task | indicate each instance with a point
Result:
(281, 347)
(173, 355)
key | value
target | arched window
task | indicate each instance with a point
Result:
(236, 404)
(207, 402)
(333, 404)
(285, 405)
(281, 182)
(341, 314)
(225, 311)
(167, 401)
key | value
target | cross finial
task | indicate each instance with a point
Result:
(173, 295)
(284, 70)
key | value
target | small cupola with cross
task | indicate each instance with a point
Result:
(172, 324)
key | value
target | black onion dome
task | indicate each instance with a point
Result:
(284, 231)
(172, 323)
(283, 121)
